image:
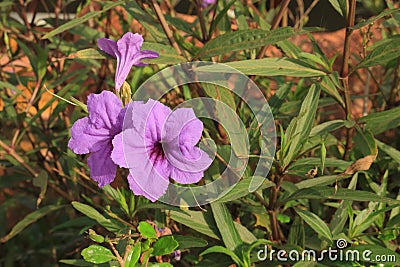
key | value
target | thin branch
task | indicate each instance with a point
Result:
(275, 23)
(201, 20)
(344, 73)
(116, 253)
(165, 27)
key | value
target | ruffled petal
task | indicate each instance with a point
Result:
(117, 153)
(102, 168)
(153, 195)
(108, 46)
(148, 118)
(128, 46)
(150, 177)
(184, 126)
(104, 112)
(184, 177)
(83, 138)
(181, 133)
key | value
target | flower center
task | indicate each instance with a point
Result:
(157, 152)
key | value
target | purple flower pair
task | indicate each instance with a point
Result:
(152, 141)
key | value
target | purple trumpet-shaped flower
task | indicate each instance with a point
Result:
(94, 134)
(157, 144)
(127, 52)
(206, 3)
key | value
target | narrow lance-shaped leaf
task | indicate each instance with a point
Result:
(315, 223)
(225, 225)
(269, 67)
(302, 126)
(381, 54)
(246, 39)
(28, 220)
(80, 20)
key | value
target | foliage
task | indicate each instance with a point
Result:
(334, 176)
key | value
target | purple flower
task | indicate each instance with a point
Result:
(127, 52)
(206, 3)
(157, 144)
(94, 135)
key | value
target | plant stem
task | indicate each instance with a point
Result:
(275, 23)
(201, 20)
(344, 73)
(119, 258)
(165, 27)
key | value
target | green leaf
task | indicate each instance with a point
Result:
(315, 223)
(219, 249)
(220, 15)
(168, 55)
(220, 93)
(245, 235)
(320, 181)
(96, 237)
(225, 225)
(245, 39)
(368, 220)
(241, 189)
(379, 122)
(88, 53)
(372, 19)
(276, 101)
(95, 215)
(268, 67)
(322, 192)
(77, 262)
(297, 234)
(339, 6)
(326, 127)
(165, 245)
(364, 142)
(299, 129)
(29, 219)
(77, 21)
(133, 255)
(199, 221)
(147, 231)
(330, 85)
(392, 152)
(97, 254)
(186, 242)
(41, 182)
(381, 54)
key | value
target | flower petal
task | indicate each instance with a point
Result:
(151, 178)
(143, 55)
(154, 194)
(83, 138)
(184, 177)
(181, 133)
(108, 46)
(148, 118)
(102, 168)
(104, 112)
(128, 46)
(183, 125)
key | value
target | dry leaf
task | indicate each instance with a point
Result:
(362, 164)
